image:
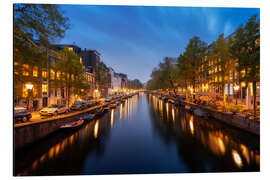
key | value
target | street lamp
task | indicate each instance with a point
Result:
(236, 88)
(29, 87)
(96, 91)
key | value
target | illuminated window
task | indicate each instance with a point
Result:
(72, 76)
(44, 74)
(58, 74)
(44, 88)
(25, 92)
(80, 60)
(52, 74)
(15, 67)
(25, 70)
(63, 76)
(35, 71)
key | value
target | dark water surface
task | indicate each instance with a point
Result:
(143, 135)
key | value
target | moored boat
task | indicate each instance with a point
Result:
(72, 125)
(99, 111)
(88, 117)
(188, 108)
(200, 113)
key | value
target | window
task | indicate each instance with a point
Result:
(44, 88)
(44, 74)
(52, 74)
(25, 70)
(16, 67)
(58, 74)
(63, 76)
(35, 71)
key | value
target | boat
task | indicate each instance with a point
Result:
(99, 111)
(88, 117)
(107, 108)
(113, 105)
(188, 108)
(72, 125)
(200, 113)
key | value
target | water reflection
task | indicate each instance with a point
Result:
(226, 148)
(96, 129)
(237, 159)
(153, 135)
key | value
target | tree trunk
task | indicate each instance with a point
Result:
(254, 97)
(224, 95)
(173, 87)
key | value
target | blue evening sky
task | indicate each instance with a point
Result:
(134, 39)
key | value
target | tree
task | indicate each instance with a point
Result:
(102, 75)
(182, 71)
(165, 76)
(191, 60)
(35, 26)
(72, 72)
(246, 48)
(220, 53)
(135, 84)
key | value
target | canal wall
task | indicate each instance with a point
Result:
(236, 120)
(29, 132)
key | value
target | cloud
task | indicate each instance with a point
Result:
(228, 29)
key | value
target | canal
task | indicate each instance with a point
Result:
(142, 135)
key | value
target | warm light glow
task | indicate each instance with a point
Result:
(191, 125)
(245, 152)
(29, 86)
(112, 116)
(173, 115)
(237, 159)
(96, 129)
(236, 88)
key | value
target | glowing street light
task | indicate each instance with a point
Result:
(236, 89)
(29, 87)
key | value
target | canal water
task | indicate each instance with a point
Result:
(142, 135)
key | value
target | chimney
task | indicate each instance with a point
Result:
(84, 49)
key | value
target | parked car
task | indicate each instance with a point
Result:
(108, 99)
(21, 114)
(78, 106)
(181, 97)
(91, 103)
(53, 110)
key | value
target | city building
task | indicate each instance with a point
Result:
(89, 58)
(116, 82)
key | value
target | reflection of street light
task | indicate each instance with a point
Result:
(29, 88)
(236, 88)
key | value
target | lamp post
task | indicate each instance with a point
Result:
(236, 88)
(96, 92)
(29, 87)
